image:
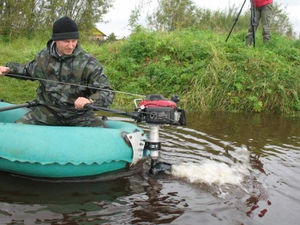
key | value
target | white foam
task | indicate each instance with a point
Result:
(213, 172)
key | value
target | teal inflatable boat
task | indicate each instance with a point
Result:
(66, 152)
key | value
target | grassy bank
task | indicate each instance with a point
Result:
(204, 70)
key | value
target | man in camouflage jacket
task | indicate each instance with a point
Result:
(69, 79)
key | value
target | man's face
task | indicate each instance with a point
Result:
(66, 47)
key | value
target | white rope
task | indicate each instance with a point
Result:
(77, 85)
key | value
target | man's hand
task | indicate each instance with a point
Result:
(80, 102)
(3, 70)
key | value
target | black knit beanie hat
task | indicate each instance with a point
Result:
(64, 28)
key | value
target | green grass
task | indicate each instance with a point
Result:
(207, 73)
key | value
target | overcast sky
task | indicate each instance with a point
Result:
(119, 15)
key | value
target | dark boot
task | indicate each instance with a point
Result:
(248, 41)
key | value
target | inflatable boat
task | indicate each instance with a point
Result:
(66, 151)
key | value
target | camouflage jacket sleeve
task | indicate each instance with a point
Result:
(19, 69)
(101, 93)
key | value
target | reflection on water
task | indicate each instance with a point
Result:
(227, 169)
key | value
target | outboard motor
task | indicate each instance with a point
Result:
(155, 110)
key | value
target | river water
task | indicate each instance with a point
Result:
(228, 168)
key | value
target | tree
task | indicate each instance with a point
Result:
(136, 13)
(19, 17)
(173, 14)
(111, 38)
(281, 23)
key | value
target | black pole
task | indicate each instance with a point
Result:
(253, 21)
(235, 21)
(99, 108)
(27, 104)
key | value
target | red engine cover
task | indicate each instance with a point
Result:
(157, 103)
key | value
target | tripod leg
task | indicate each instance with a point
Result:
(253, 21)
(251, 35)
(235, 21)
